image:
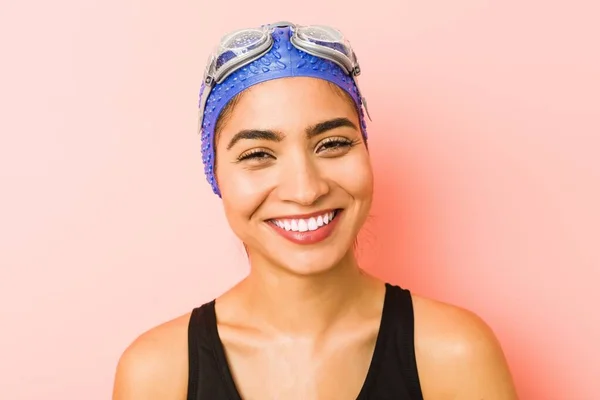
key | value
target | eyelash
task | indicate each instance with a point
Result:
(330, 144)
(254, 154)
(337, 142)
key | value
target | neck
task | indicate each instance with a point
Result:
(296, 305)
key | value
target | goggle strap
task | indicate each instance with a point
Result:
(201, 114)
(362, 98)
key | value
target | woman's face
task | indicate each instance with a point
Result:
(294, 173)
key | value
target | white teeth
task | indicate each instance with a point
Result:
(303, 225)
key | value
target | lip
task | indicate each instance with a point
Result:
(306, 216)
(308, 237)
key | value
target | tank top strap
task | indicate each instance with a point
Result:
(205, 377)
(403, 322)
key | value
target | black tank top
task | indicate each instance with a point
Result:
(392, 374)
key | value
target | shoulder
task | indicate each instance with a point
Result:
(155, 365)
(458, 354)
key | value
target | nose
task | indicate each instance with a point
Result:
(302, 182)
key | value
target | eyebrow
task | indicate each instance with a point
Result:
(331, 124)
(276, 136)
(256, 134)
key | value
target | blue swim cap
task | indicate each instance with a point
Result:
(281, 61)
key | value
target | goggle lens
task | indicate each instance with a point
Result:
(236, 45)
(326, 37)
(242, 40)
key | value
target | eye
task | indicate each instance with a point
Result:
(335, 145)
(255, 156)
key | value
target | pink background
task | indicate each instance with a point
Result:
(485, 142)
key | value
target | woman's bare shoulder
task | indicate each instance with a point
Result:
(458, 354)
(155, 364)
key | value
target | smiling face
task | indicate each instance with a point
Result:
(294, 173)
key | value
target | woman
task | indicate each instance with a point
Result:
(284, 145)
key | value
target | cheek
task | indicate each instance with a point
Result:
(354, 175)
(242, 191)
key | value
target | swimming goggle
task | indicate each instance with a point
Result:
(244, 46)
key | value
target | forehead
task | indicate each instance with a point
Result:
(289, 103)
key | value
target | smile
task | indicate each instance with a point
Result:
(305, 224)
(309, 229)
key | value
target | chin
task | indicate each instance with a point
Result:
(307, 262)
